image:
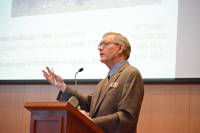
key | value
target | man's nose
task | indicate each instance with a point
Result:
(100, 47)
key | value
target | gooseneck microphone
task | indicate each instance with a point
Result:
(80, 70)
(73, 100)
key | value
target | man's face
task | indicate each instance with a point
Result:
(108, 53)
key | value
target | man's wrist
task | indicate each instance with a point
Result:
(63, 87)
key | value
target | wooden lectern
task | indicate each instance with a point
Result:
(59, 117)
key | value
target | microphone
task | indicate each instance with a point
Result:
(73, 100)
(80, 70)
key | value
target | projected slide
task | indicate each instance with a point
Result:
(64, 34)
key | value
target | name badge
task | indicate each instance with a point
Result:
(114, 84)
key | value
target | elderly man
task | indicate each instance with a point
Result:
(115, 103)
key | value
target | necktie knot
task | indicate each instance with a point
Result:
(108, 76)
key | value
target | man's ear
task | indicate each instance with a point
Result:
(121, 48)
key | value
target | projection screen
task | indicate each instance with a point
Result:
(64, 35)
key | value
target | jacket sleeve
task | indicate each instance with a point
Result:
(84, 101)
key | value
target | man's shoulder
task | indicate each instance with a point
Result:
(130, 70)
(127, 67)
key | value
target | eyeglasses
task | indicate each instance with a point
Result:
(105, 44)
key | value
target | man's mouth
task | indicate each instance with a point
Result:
(101, 54)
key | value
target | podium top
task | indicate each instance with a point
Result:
(48, 106)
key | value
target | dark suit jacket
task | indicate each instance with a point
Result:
(116, 109)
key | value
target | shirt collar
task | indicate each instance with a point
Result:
(114, 69)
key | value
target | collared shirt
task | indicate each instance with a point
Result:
(114, 69)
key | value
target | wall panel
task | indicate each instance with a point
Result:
(11, 109)
(194, 109)
(166, 108)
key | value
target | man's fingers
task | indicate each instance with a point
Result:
(45, 76)
(49, 71)
(44, 72)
